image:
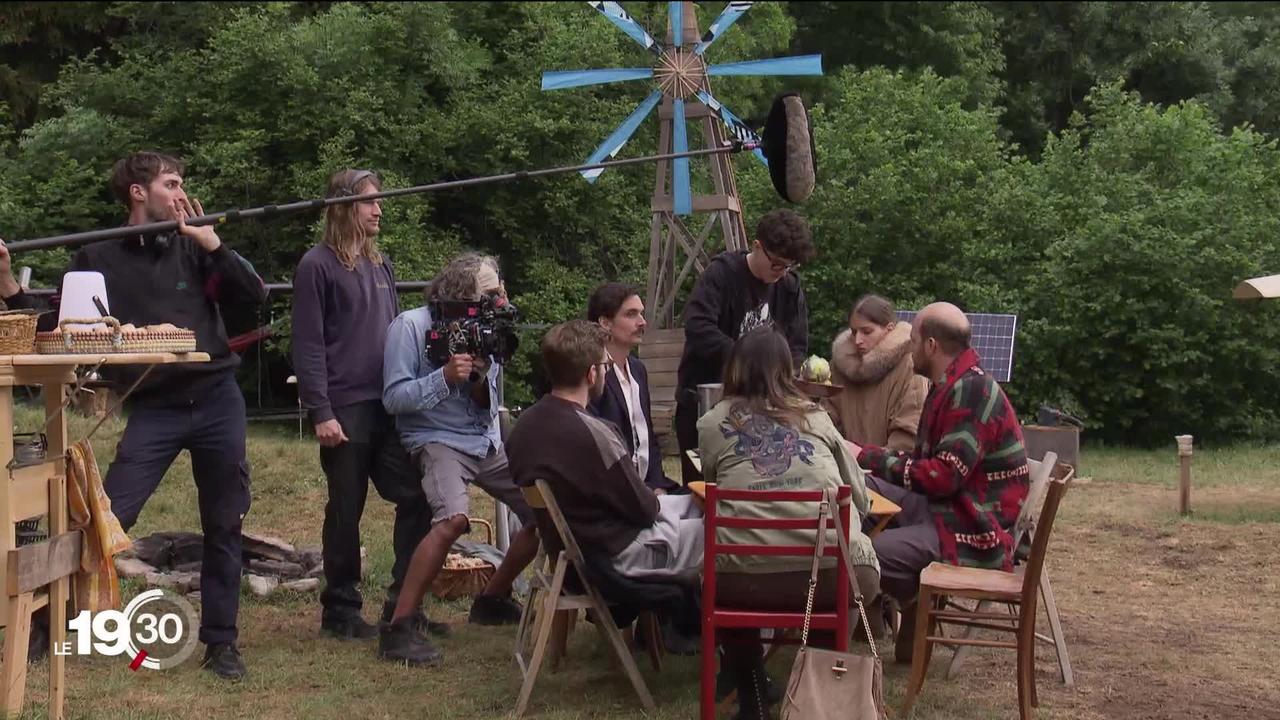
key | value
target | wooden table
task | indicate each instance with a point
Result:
(882, 507)
(37, 574)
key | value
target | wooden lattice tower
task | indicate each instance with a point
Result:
(678, 245)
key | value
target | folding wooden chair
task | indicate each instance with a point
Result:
(941, 581)
(1023, 536)
(549, 598)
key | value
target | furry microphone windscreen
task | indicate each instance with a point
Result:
(787, 142)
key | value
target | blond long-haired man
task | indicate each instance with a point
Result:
(344, 301)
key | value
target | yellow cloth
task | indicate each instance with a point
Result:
(97, 586)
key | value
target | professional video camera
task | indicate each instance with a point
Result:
(481, 329)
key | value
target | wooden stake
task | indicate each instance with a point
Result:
(1184, 460)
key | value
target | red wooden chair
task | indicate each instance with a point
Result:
(714, 617)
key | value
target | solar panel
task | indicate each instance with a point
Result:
(992, 336)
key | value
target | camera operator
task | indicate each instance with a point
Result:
(447, 416)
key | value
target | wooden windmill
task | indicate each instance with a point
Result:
(682, 222)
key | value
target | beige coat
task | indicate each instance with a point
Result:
(882, 397)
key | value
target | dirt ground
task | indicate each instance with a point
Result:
(1165, 617)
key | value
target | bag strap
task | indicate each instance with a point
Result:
(843, 539)
(821, 545)
(829, 502)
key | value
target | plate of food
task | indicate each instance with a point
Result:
(815, 378)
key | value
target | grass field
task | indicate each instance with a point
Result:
(1165, 617)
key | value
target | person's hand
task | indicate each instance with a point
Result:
(204, 234)
(330, 434)
(458, 370)
(8, 286)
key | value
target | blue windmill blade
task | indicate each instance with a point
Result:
(621, 135)
(676, 14)
(681, 195)
(739, 129)
(797, 65)
(728, 16)
(633, 29)
(561, 79)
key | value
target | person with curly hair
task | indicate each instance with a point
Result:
(738, 292)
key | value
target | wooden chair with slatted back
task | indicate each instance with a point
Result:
(1023, 536)
(941, 581)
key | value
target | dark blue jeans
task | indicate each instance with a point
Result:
(212, 428)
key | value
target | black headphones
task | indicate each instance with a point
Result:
(349, 189)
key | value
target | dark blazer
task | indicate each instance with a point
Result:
(612, 406)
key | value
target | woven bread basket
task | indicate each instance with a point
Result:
(455, 581)
(18, 332)
(113, 339)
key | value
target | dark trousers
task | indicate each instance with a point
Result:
(373, 451)
(907, 546)
(212, 428)
(686, 427)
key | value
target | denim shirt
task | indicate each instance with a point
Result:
(426, 408)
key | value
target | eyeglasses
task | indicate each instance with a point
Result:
(774, 265)
(606, 364)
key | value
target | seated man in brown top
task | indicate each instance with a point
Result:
(590, 471)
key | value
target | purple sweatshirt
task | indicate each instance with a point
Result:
(340, 320)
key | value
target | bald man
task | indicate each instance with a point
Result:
(962, 487)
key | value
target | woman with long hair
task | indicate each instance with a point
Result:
(883, 396)
(765, 434)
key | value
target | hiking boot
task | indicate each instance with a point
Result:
(494, 610)
(753, 693)
(724, 686)
(224, 661)
(399, 641)
(347, 627)
(421, 622)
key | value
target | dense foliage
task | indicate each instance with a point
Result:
(1106, 170)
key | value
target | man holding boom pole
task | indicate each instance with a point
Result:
(180, 278)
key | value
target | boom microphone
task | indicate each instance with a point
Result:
(788, 146)
(786, 142)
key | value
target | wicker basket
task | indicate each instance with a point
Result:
(453, 582)
(18, 332)
(112, 340)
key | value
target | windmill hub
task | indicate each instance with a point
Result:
(681, 73)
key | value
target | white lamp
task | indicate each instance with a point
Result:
(78, 291)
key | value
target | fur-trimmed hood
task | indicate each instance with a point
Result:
(876, 364)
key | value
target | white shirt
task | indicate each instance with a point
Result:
(639, 428)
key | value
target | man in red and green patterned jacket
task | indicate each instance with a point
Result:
(962, 487)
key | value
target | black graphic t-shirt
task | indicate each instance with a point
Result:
(728, 301)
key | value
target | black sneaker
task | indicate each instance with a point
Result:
(400, 642)
(421, 622)
(494, 610)
(224, 661)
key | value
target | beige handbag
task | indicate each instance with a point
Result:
(826, 684)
